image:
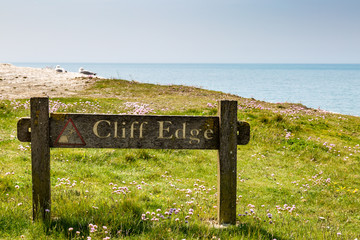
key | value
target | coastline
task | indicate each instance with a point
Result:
(25, 82)
(330, 87)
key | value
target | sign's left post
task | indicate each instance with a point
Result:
(40, 157)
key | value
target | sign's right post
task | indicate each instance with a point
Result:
(227, 159)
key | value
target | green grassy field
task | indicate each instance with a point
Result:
(298, 178)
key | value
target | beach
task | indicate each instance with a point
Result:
(330, 87)
(26, 82)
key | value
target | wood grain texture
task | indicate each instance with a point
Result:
(23, 127)
(243, 133)
(24, 133)
(227, 159)
(40, 157)
(133, 131)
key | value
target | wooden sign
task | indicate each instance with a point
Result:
(221, 132)
(133, 131)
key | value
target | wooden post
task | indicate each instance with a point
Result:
(227, 157)
(40, 157)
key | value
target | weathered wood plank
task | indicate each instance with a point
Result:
(133, 131)
(243, 133)
(24, 133)
(227, 156)
(40, 157)
(23, 130)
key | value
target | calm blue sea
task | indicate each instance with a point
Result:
(331, 87)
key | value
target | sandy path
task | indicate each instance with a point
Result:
(26, 82)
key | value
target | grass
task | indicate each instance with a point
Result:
(298, 178)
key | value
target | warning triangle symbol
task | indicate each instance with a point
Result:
(70, 136)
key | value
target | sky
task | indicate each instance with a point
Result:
(180, 31)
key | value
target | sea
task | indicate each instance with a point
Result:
(330, 87)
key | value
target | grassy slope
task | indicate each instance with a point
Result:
(301, 166)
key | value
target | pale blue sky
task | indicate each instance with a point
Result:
(180, 31)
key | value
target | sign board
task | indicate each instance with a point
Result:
(133, 131)
(65, 130)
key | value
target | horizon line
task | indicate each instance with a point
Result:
(291, 63)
